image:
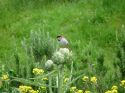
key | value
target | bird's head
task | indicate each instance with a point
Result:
(59, 37)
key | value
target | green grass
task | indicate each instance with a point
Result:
(81, 22)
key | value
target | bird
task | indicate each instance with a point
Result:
(62, 40)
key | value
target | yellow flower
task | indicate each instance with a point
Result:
(43, 88)
(27, 89)
(33, 91)
(114, 88)
(5, 77)
(79, 91)
(87, 91)
(73, 89)
(37, 71)
(66, 79)
(93, 79)
(24, 89)
(85, 78)
(108, 91)
(45, 79)
(114, 91)
(122, 83)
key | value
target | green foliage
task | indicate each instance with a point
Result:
(40, 45)
(121, 52)
(100, 68)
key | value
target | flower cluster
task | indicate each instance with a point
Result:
(60, 57)
(109, 91)
(79, 91)
(85, 78)
(45, 79)
(122, 83)
(66, 80)
(43, 88)
(37, 71)
(27, 89)
(73, 89)
(114, 89)
(92, 79)
(5, 77)
(87, 91)
(49, 64)
(64, 51)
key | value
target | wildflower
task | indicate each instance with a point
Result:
(93, 79)
(33, 91)
(43, 88)
(66, 79)
(85, 78)
(122, 83)
(37, 71)
(114, 91)
(114, 88)
(79, 91)
(49, 65)
(73, 89)
(45, 79)
(5, 77)
(64, 51)
(87, 91)
(58, 58)
(108, 91)
(24, 89)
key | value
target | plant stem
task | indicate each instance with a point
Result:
(60, 79)
(50, 84)
(71, 71)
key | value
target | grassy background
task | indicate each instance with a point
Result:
(81, 21)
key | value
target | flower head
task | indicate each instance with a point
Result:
(37, 71)
(64, 51)
(24, 89)
(87, 91)
(79, 91)
(93, 79)
(85, 78)
(33, 91)
(27, 89)
(122, 83)
(5, 77)
(49, 64)
(114, 88)
(66, 80)
(45, 79)
(58, 58)
(114, 91)
(108, 91)
(43, 88)
(72, 89)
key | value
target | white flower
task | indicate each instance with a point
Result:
(58, 57)
(49, 64)
(64, 51)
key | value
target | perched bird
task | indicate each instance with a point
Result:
(62, 40)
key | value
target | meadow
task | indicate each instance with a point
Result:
(31, 60)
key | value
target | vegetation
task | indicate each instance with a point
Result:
(31, 60)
